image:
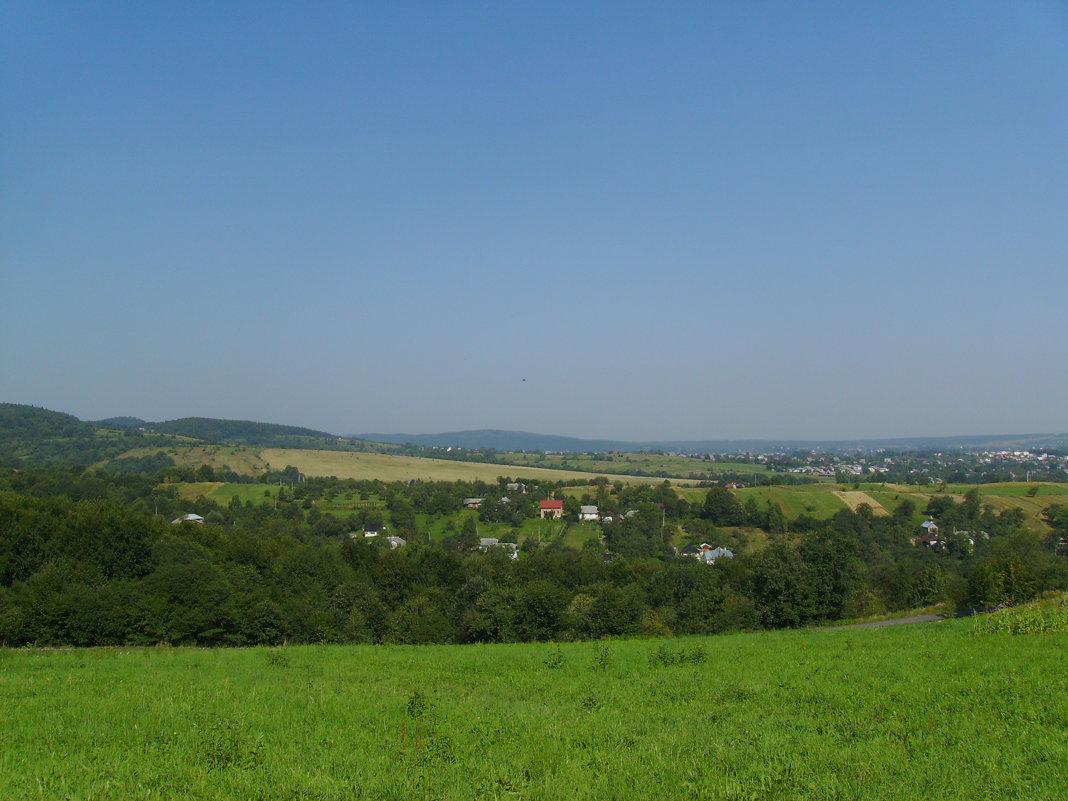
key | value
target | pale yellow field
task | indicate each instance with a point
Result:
(853, 499)
(404, 468)
(239, 459)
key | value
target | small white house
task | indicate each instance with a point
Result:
(589, 513)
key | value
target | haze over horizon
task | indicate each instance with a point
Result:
(637, 222)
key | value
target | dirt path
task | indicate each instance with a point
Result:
(896, 621)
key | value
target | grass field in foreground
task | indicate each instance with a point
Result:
(930, 711)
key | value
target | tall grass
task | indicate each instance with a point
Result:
(925, 711)
(1049, 617)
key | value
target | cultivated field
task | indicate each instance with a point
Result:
(854, 499)
(930, 711)
(404, 468)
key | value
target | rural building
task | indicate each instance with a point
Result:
(588, 513)
(372, 529)
(189, 518)
(473, 503)
(551, 509)
(706, 553)
(396, 542)
(709, 555)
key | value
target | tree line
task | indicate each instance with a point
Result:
(88, 558)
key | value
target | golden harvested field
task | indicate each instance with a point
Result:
(853, 499)
(385, 467)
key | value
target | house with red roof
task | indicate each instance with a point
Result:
(551, 509)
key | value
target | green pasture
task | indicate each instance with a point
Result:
(931, 711)
(346, 504)
(661, 465)
(573, 534)
(254, 493)
(223, 493)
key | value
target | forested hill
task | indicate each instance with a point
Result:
(238, 432)
(18, 421)
(35, 437)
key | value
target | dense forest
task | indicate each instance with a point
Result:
(88, 557)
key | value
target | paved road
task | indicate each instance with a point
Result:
(897, 621)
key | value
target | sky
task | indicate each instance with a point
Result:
(658, 220)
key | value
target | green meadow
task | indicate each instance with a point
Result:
(651, 463)
(929, 711)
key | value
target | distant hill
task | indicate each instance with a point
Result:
(502, 441)
(242, 432)
(20, 422)
(526, 441)
(119, 422)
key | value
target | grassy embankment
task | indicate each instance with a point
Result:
(929, 711)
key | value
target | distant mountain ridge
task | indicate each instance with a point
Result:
(23, 422)
(527, 441)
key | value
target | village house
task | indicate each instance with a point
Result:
(485, 543)
(930, 536)
(551, 509)
(706, 553)
(396, 542)
(588, 513)
(473, 503)
(189, 518)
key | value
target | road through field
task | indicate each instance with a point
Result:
(894, 621)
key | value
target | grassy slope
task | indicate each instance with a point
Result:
(820, 500)
(927, 711)
(245, 460)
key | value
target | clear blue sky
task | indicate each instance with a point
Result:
(674, 220)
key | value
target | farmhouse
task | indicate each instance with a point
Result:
(396, 542)
(589, 513)
(706, 553)
(473, 503)
(930, 536)
(551, 509)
